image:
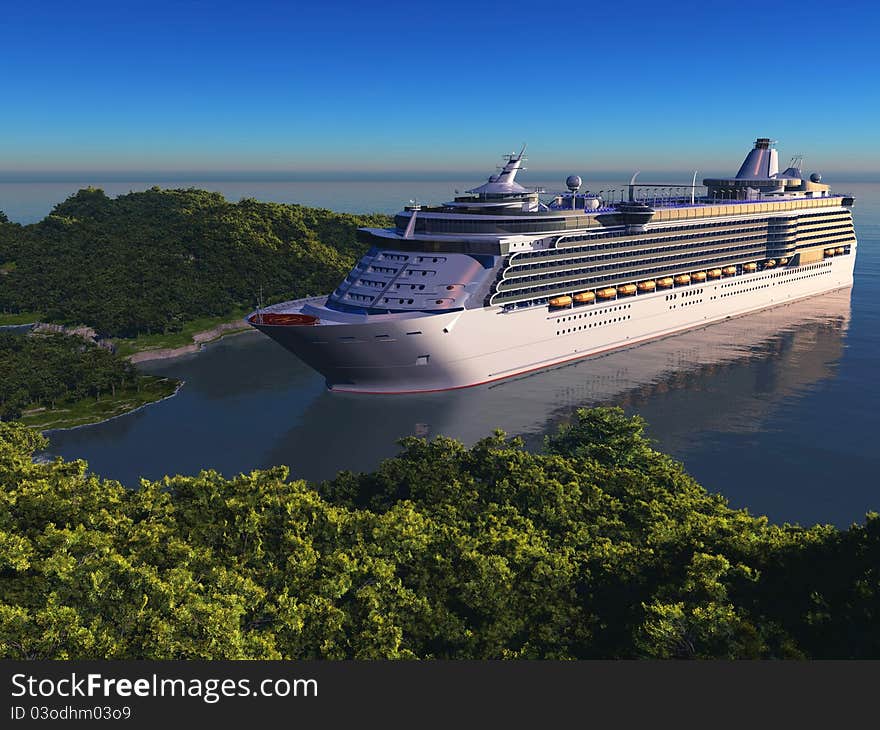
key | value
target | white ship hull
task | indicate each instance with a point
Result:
(444, 351)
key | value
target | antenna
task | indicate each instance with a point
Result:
(632, 183)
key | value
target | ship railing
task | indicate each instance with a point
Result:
(292, 306)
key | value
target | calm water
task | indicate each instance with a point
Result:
(776, 410)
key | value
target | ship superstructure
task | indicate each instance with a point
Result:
(501, 280)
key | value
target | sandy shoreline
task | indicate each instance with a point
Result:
(199, 340)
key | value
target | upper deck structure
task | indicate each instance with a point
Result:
(503, 249)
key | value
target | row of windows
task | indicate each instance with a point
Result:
(789, 272)
(785, 272)
(694, 292)
(515, 267)
(590, 325)
(478, 224)
(809, 276)
(815, 269)
(804, 241)
(597, 312)
(621, 232)
(706, 228)
(749, 288)
(566, 251)
(819, 225)
(685, 304)
(810, 267)
(513, 288)
(801, 221)
(837, 214)
(508, 289)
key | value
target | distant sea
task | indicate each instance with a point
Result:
(29, 201)
(777, 410)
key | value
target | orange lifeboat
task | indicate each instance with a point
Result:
(682, 279)
(770, 263)
(563, 301)
(830, 251)
(750, 267)
(783, 262)
(714, 273)
(838, 250)
(283, 319)
(626, 289)
(699, 276)
(665, 282)
(647, 285)
(585, 297)
(608, 292)
(729, 270)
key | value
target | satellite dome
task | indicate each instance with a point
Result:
(573, 182)
(816, 177)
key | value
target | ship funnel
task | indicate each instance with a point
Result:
(761, 163)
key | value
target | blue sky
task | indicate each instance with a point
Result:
(333, 85)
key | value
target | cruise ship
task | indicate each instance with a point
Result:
(504, 280)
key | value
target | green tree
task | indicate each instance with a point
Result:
(442, 552)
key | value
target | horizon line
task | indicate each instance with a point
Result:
(135, 175)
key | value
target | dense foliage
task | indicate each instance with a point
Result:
(147, 262)
(599, 547)
(44, 370)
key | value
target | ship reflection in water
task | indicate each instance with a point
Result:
(740, 402)
(727, 377)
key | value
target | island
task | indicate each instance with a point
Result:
(52, 379)
(151, 274)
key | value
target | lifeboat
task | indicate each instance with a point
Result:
(563, 301)
(729, 270)
(750, 267)
(714, 273)
(283, 319)
(608, 292)
(626, 289)
(829, 251)
(585, 297)
(682, 279)
(699, 276)
(647, 285)
(838, 250)
(770, 263)
(665, 282)
(783, 262)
